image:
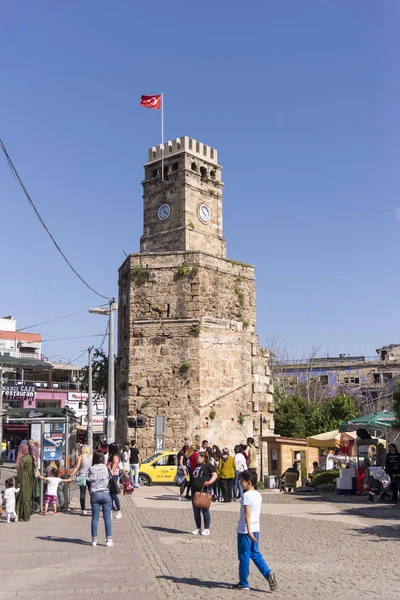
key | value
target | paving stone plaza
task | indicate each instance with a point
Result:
(319, 548)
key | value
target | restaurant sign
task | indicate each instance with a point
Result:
(20, 391)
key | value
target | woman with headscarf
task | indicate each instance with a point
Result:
(24, 467)
(393, 469)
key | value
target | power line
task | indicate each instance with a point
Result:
(78, 337)
(19, 180)
(104, 338)
(56, 319)
(77, 358)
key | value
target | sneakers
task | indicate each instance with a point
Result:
(237, 586)
(94, 542)
(196, 532)
(84, 513)
(118, 515)
(272, 581)
(16, 519)
(109, 543)
(205, 532)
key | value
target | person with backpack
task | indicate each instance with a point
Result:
(115, 468)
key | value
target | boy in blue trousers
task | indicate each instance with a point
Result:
(248, 533)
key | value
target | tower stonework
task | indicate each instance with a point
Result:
(186, 337)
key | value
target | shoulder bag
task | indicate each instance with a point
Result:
(113, 485)
(202, 499)
(81, 480)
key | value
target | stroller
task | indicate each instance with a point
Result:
(379, 485)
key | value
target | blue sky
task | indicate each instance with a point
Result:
(300, 98)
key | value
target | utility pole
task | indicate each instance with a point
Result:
(113, 306)
(90, 404)
(111, 376)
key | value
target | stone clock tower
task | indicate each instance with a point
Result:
(187, 343)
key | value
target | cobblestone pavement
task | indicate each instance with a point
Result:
(318, 549)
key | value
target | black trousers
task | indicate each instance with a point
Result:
(253, 471)
(226, 489)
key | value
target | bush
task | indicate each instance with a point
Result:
(325, 477)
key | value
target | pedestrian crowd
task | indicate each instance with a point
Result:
(204, 474)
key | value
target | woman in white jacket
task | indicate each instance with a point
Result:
(241, 465)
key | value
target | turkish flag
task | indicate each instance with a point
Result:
(151, 101)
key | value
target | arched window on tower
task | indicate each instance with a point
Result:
(212, 174)
(166, 171)
(155, 173)
(175, 166)
(203, 172)
(194, 167)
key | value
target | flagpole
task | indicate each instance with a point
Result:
(162, 137)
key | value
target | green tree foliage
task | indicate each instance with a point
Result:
(396, 403)
(99, 372)
(295, 416)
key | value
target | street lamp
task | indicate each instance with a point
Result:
(109, 312)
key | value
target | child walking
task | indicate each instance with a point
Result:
(51, 492)
(9, 499)
(248, 533)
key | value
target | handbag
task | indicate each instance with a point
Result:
(81, 480)
(202, 499)
(180, 476)
(113, 485)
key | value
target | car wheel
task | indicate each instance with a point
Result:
(144, 479)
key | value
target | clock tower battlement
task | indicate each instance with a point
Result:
(183, 208)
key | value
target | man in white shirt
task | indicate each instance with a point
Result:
(204, 446)
(248, 533)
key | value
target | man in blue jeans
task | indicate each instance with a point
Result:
(248, 533)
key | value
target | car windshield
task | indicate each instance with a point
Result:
(151, 458)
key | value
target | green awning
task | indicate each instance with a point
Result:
(24, 363)
(381, 420)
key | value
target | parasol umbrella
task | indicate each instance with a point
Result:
(381, 420)
(330, 439)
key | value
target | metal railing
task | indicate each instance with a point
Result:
(55, 385)
(21, 354)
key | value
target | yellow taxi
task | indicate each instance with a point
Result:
(159, 468)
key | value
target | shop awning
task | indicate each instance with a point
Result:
(330, 439)
(381, 420)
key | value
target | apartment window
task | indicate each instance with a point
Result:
(324, 379)
(290, 380)
(47, 404)
(351, 379)
(377, 377)
(387, 377)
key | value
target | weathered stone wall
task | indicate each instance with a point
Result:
(189, 349)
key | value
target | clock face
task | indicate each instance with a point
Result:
(204, 213)
(164, 212)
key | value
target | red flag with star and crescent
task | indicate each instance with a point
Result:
(151, 101)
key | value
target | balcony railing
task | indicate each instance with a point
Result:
(55, 385)
(21, 354)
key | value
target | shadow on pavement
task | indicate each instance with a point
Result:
(164, 497)
(165, 529)
(202, 583)
(381, 532)
(55, 538)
